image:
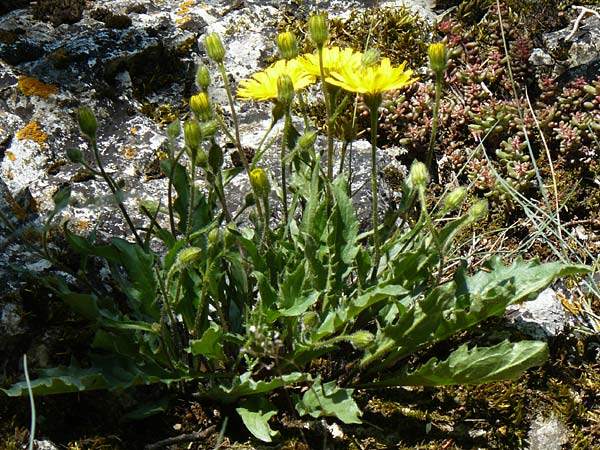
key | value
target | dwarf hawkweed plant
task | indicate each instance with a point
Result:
(237, 305)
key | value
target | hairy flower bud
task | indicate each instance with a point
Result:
(87, 122)
(215, 157)
(285, 90)
(260, 182)
(362, 339)
(419, 174)
(479, 210)
(209, 129)
(307, 140)
(203, 78)
(438, 58)
(192, 135)
(174, 129)
(288, 45)
(319, 29)
(74, 155)
(370, 58)
(214, 47)
(455, 198)
(188, 256)
(200, 105)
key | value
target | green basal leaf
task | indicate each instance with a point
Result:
(459, 305)
(61, 199)
(106, 372)
(243, 385)
(255, 413)
(141, 285)
(329, 400)
(505, 361)
(210, 344)
(149, 409)
(529, 277)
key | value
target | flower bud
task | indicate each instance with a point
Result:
(203, 78)
(362, 339)
(209, 129)
(307, 140)
(192, 135)
(419, 174)
(285, 90)
(260, 182)
(370, 58)
(319, 30)
(188, 256)
(229, 235)
(201, 158)
(310, 320)
(200, 105)
(288, 45)
(479, 209)
(214, 236)
(214, 47)
(74, 155)
(174, 129)
(87, 122)
(455, 198)
(438, 58)
(215, 157)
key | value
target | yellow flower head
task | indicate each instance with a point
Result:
(335, 59)
(372, 80)
(263, 85)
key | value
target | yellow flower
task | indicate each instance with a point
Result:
(263, 85)
(335, 59)
(372, 80)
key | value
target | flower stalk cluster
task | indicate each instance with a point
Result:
(339, 70)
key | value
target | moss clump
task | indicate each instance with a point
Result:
(110, 19)
(162, 114)
(30, 86)
(58, 12)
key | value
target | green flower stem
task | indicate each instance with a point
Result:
(436, 113)
(202, 303)
(188, 226)
(373, 102)
(434, 234)
(236, 128)
(302, 103)
(113, 189)
(167, 333)
(284, 138)
(326, 96)
(174, 161)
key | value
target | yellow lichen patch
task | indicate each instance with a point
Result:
(130, 152)
(33, 132)
(183, 11)
(31, 86)
(82, 224)
(9, 174)
(10, 155)
(133, 130)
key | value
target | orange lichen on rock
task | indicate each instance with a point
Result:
(31, 86)
(130, 152)
(10, 155)
(183, 11)
(33, 132)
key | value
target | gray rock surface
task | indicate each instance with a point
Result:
(547, 433)
(540, 318)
